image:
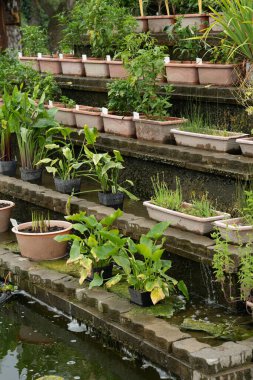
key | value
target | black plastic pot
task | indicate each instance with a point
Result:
(111, 200)
(140, 298)
(8, 168)
(67, 186)
(31, 175)
(107, 272)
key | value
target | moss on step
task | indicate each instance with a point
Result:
(11, 245)
(61, 266)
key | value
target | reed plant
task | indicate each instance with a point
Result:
(165, 197)
(40, 222)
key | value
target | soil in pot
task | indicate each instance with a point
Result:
(111, 200)
(140, 298)
(29, 230)
(67, 186)
(107, 272)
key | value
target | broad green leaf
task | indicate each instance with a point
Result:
(79, 227)
(118, 156)
(124, 263)
(149, 286)
(113, 281)
(157, 295)
(97, 281)
(92, 241)
(104, 252)
(66, 237)
(108, 220)
(75, 250)
(157, 231)
(144, 250)
(183, 289)
(91, 135)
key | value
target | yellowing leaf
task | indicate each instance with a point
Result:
(157, 295)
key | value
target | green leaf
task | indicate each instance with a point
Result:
(75, 250)
(113, 281)
(157, 231)
(108, 220)
(79, 227)
(183, 289)
(97, 281)
(104, 252)
(91, 135)
(124, 263)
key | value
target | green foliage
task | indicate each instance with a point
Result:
(186, 45)
(60, 156)
(124, 98)
(201, 207)
(29, 120)
(13, 73)
(164, 197)
(245, 273)
(34, 40)
(67, 102)
(221, 53)
(236, 18)
(191, 6)
(105, 168)
(223, 262)
(144, 61)
(147, 271)
(247, 211)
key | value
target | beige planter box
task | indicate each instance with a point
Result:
(154, 130)
(182, 72)
(235, 231)
(218, 74)
(246, 145)
(142, 24)
(96, 68)
(183, 221)
(72, 66)
(208, 142)
(65, 115)
(201, 21)
(119, 125)
(31, 61)
(216, 28)
(90, 116)
(157, 24)
(117, 70)
(50, 65)
(42, 246)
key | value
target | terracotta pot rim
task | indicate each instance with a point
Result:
(232, 225)
(116, 62)
(61, 107)
(193, 15)
(32, 58)
(141, 17)
(169, 120)
(95, 60)
(50, 59)
(182, 64)
(207, 65)
(206, 135)
(119, 117)
(160, 17)
(88, 110)
(61, 223)
(9, 204)
(72, 60)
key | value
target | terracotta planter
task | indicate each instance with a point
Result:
(31, 61)
(119, 125)
(90, 116)
(50, 65)
(5, 214)
(201, 21)
(155, 130)
(96, 68)
(142, 24)
(216, 28)
(72, 66)
(184, 221)
(208, 142)
(218, 74)
(235, 230)
(182, 72)
(246, 145)
(157, 24)
(42, 246)
(117, 70)
(65, 115)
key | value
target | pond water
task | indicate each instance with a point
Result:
(36, 341)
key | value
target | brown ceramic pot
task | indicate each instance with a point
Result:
(5, 213)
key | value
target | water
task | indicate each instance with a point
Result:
(36, 341)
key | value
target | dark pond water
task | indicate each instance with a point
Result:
(36, 341)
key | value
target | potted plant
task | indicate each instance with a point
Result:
(64, 111)
(8, 166)
(107, 25)
(91, 116)
(31, 120)
(167, 205)
(94, 246)
(239, 230)
(187, 47)
(105, 170)
(50, 64)
(200, 134)
(36, 238)
(5, 213)
(146, 271)
(62, 160)
(34, 40)
(71, 65)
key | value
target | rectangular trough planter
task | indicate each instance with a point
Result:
(235, 230)
(246, 145)
(182, 72)
(90, 116)
(117, 69)
(96, 68)
(31, 61)
(50, 65)
(157, 24)
(200, 21)
(142, 24)
(198, 225)
(119, 125)
(218, 74)
(208, 142)
(72, 66)
(155, 130)
(64, 115)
